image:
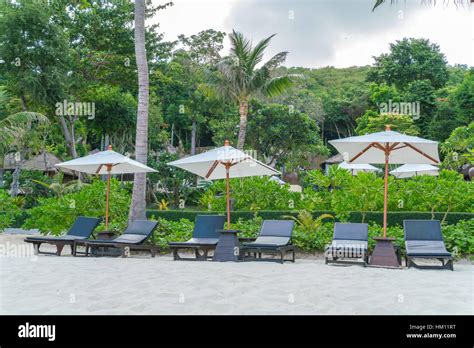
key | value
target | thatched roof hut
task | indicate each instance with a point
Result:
(44, 162)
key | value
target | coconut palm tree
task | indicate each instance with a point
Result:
(240, 79)
(138, 205)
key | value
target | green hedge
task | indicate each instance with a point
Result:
(394, 217)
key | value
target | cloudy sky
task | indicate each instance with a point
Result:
(338, 33)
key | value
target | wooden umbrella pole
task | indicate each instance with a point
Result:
(109, 168)
(385, 192)
(227, 182)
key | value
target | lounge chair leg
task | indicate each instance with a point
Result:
(294, 256)
(36, 247)
(87, 250)
(152, 252)
(59, 249)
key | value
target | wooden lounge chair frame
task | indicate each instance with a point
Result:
(429, 232)
(81, 230)
(349, 234)
(140, 230)
(204, 239)
(274, 238)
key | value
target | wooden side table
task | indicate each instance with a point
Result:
(228, 246)
(384, 253)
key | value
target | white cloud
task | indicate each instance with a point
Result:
(328, 32)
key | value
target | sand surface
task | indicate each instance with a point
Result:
(143, 285)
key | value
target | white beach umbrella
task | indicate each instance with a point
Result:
(356, 168)
(387, 147)
(224, 163)
(409, 170)
(106, 162)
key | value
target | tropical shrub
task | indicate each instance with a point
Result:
(253, 193)
(10, 208)
(55, 215)
(459, 238)
(172, 231)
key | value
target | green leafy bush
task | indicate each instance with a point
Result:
(55, 215)
(9, 210)
(172, 231)
(394, 217)
(459, 238)
(254, 193)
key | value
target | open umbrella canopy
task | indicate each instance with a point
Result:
(355, 168)
(106, 162)
(212, 164)
(409, 170)
(386, 147)
(224, 163)
(370, 148)
(98, 163)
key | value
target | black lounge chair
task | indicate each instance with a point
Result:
(80, 230)
(204, 239)
(350, 241)
(274, 238)
(424, 240)
(133, 238)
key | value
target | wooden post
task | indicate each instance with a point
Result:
(385, 192)
(109, 168)
(227, 181)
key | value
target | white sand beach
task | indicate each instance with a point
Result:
(143, 285)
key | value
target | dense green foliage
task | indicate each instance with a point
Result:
(459, 237)
(55, 215)
(10, 209)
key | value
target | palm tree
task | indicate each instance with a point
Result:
(138, 205)
(240, 79)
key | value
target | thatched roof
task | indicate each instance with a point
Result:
(43, 162)
(334, 159)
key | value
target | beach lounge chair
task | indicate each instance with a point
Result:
(80, 230)
(132, 239)
(424, 240)
(274, 238)
(204, 239)
(350, 241)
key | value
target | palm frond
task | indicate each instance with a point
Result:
(278, 85)
(255, 56)
(276, 60)
(240, 47)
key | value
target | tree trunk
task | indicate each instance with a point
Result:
(68, 137)
(138, 205)
(193, 137)
(2, 170)
(243, 111)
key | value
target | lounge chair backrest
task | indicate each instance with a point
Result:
(83, 226)
(277, 228)
(141, 228)
(206, 226)
(351, 231)
(422, 230)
